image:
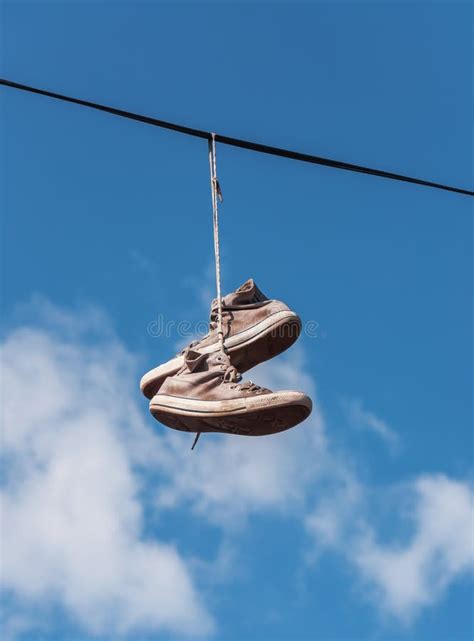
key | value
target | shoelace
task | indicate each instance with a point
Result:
(232, 376)
(213, 318)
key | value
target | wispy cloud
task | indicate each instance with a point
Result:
(142, 263)
(364, 419)
(202, 288)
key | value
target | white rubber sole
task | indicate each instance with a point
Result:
(153, 379)
(249, 416)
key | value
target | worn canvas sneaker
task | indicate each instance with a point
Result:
(255, 329)
(208, 395)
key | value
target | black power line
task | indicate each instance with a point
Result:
(236, 142)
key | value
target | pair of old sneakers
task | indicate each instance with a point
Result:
(201, 389)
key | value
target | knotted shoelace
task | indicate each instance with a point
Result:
(232, 376)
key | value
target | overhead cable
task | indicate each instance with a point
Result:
(236, 142)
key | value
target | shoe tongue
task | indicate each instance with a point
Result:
(193, 359)
(246, 293)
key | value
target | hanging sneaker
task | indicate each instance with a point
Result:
(208, 395)
(255, 330)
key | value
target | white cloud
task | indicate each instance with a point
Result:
(335, 514)
(401, 577)
(72, 530)
(364, 419)
(409, 576)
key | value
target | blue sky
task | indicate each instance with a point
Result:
(354, 525)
